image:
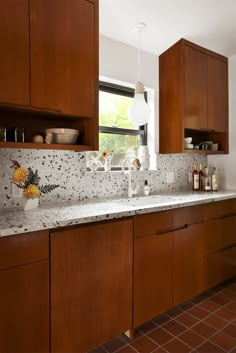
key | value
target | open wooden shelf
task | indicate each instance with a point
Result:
(44, 146)
(203, 151)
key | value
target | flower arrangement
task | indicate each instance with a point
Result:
(107, 160)
(28, 180)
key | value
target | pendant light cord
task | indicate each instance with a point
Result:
(139, 54)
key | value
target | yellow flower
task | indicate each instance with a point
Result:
(31, 192)
(19, 175)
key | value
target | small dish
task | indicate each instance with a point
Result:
(188, 140)
(188, 146)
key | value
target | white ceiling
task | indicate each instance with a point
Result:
(209, 23)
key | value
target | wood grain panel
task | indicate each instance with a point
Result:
(64, 55)
(152, 223)
(152, 277)
(14, 49)
(187, 215)
(212, 270)
(217, 104)
(195, 88)
(23, 248)
(24, 308)
(187, 263)
(171, 133)
(211, 236)
(211, 210)
(91, 278)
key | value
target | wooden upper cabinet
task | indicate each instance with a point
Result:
(63, 44)
(14, 48)
(195, 88)
(193, 84)
(217, 94)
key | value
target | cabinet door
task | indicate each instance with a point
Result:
(63, 44)
(14, 48)
(187, 263)
(227, 231)
(195, 88)
(152, 276)
(24, 308)
(91, 293)
(217, 94)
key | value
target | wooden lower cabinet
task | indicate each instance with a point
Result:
(152, 276)
(91, 285)
(24, 308)
(187, 263)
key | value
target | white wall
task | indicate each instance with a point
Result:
(119, 62)
(226, 164)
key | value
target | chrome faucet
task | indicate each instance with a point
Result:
(131, 191)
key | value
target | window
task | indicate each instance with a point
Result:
(116, 132)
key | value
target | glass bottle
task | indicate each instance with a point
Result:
(207, 180)
(195, 175)
(214, 180)
(201, 175)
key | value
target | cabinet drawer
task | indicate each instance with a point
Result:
(212, 270)
(20, 249)
(227, 231)
(187, 215)
(211, 236)
(210, 211)
(152, 223)
(227, 208)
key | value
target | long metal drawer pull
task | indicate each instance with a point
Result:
(228, 247)
(228, 215)
(168, 230)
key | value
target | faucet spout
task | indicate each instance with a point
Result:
(131, 191)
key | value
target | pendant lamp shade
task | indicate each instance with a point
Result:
(139, 111)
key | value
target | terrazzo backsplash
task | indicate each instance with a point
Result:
(68, 169)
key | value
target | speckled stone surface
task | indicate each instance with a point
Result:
(68, 169)
(67, 214)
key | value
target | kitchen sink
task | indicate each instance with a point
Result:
(146, 200)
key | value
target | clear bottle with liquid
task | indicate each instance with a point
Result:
(207, 180)
(214, 180)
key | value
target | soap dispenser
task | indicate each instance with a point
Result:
(146, 188)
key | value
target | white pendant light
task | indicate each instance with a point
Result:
(139, 111)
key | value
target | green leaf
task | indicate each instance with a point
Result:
(45, 189)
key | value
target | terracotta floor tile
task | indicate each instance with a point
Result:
(226, 314)
(187, 306)
(209, 347)
(231, 306)
(99, 349)
(216, 321)
(233, 287)
(200, 298)
(159, 350)
(187, 320)
(114, 344)
(191, 338)
(209, 306)
(160, 336)
(230, 330)
(204, 330)
(228, 294)
(198, 312)
(176, 346)
(174, 327)
(224, 341)
(160, 320)
(144, 345)
(174, 312)
(147, 327)
(220, 300)
(126, 349)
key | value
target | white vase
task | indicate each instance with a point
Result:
(107, 164)
(31, 204)
(144, 158)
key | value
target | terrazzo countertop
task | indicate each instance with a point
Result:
(68, 214)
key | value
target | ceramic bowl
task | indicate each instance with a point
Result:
(188, 140)
(188, 146)
(63, 136)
